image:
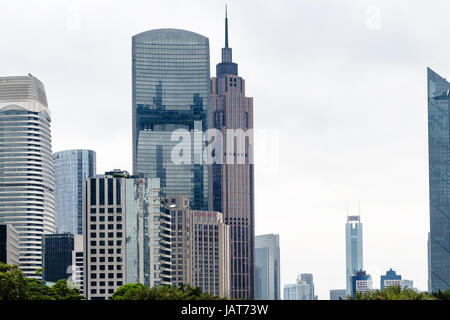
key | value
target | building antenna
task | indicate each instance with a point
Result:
(226, 27)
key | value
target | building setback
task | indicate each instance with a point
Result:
(200, 248)
(267, 284)
(171, 91)
(9, 244)
(233, 181)
(26, 167)
(71, 168)
(439, 175)
(127, 234)
(353, 248)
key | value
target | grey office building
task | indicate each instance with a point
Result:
(9, 244)
(439, 176)
(290, 291)
(309, 279)
(71, 168)
(338, 294)
(26, 167)
(267, 267)
(353, 249)
(171, 91)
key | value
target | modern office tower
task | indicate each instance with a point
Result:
(338, 294)
(9, 244)
(267, 267)
(127, 234)
(353, 248)
(171, 99)
(26, 167)
(71, 168)
(233, 179)
(439, 175)
(390, 279)
(303, 290)
(308, 277)
(77, 270)
(200, 248)
(361, 282)
(57, 256)
(290, 291)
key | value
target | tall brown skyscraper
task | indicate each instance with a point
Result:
(233, 184)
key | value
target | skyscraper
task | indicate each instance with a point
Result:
(308, 277)
(57, 252)
(26, 167)
(361, 282)
(353, 248)
(71, 168)
(127, 234)
(171, 91)
(233, 183)
(9, 244)
(290, 291)
(267, 265)
(439, 175)
(390, 279)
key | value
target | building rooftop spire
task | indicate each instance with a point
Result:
(226, 27)
(227, 66)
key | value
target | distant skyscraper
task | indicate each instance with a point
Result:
(267, 284)
(338, 294)
(390, 279)
(354, 248)
(308, 277)
(290, 291)
(171, 91)
(26, 166)
(127, 234)
(233, 183)
(439, 176)
(9, 244)
(71, 168)
(202, 255)
(361, 282)
(303, 290)
(57, 256)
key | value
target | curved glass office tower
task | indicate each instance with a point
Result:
(26, 168)
(71, 168)
(171, 90)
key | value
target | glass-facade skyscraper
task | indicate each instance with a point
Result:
(233, 183)
(171, 90)
(71, 168)
(439, 176)
(353, 249)
(26, 166)
(267, 265)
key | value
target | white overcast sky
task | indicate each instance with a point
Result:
(342, 82)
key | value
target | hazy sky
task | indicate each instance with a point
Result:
(342, 84)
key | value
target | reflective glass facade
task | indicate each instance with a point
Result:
(57, 256)
(71, 168)
(439, 176)
(353, 248)
(26, 166)
(267, 267)
(171, 90)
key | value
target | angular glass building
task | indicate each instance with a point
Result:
(26, 166)
(171, 90)
(353, 249)
(71, 168)
(439, 176)
(267, 283)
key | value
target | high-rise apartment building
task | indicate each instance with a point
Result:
(171, 104)
(71, 168)
(26, 167)
(267, 282)
(200, 248)
(9, 244)
(127, 235)
(439, 175)
(390, 279)
(353, 248)
(233, 179)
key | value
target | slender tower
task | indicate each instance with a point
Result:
(233, 185)
(353, 249)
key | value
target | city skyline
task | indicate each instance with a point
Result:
(394, 195)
